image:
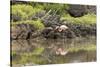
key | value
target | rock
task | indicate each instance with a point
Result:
(77, 10)
(15, 31)
(81, 10)
(91, 9)
(27, 31)
(46, 31)
(22, 31)
(54, 33)
(82, 29)
(49, 32)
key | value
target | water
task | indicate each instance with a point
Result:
(41, 51)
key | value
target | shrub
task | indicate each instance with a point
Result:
(86, 19)
(56, 8)
(37, 23)
(24, 11)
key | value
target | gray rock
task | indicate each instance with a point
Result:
(91, 9)
(22, 31)
(77, 10)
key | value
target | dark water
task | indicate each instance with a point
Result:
(41, 51)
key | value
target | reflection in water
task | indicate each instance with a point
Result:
(41, 51)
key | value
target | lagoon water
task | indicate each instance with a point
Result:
(42, 51)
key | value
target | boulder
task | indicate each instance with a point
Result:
(77, 10)
(54, 33)
(91, 9)
(22, 31)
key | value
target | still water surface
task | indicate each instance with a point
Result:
(41, 51)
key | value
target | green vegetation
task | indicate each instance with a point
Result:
(86, 19)
(24, 11)
(56, 8)
(86, 48)
(36, 23)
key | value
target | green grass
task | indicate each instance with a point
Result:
(86, 19)
(36, 23)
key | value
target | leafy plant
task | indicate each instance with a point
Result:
(24, 11)
(36, 23)
(56, 8)
(86, 19)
